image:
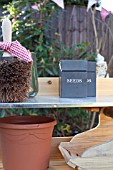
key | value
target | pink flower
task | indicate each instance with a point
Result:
(104, 13)
(37, 7)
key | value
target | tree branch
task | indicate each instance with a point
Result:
(95, 30)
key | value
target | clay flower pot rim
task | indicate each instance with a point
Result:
(26, 122)
(26, 142)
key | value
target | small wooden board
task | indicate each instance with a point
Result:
(102, 133)
(80, 144)
(96, 157)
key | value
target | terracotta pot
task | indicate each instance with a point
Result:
(26, 142)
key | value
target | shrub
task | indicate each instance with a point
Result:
(33, 30)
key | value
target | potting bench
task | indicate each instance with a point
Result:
(48, 97)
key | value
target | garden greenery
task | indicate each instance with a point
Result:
(71, 2)
(2, 2)
(32, 28)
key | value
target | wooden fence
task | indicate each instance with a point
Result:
(74, 25)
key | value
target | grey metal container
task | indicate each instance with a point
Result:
(91, 79)
(73, 78)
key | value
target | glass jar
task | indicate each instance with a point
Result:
(34, 81)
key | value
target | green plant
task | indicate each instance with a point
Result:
(2, 2)
(77, 51)
(31, 28)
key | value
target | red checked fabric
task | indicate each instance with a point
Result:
(16, 49)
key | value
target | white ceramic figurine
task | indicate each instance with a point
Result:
(101, 66)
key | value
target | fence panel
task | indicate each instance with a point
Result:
(74, 25)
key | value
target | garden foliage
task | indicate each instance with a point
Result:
(32, 28)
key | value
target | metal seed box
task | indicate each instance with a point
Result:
(73, 78)
(91, 79)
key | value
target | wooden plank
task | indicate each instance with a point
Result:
(102, 133)
(68, 29)
(50, 86)
(99, 156)
(104, 86)
(83, 25)
(98, 162)
(59, 165)
(83, 149)
(57, 162)
(55, 153)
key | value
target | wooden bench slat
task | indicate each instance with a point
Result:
(49, 86)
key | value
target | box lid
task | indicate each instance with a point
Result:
(91, 66)
(73, 65)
